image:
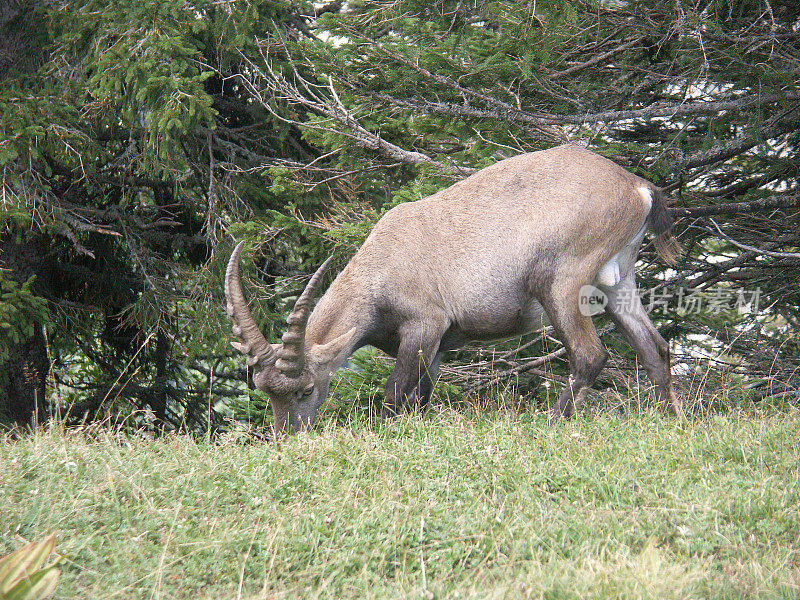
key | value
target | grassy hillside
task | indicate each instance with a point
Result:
(450, 505)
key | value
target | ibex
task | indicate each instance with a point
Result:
(488, 258)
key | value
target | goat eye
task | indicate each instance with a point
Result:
(308, 390)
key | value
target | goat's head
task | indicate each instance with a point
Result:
(295, 377)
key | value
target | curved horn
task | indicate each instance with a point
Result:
(253, 343)
(291, 356)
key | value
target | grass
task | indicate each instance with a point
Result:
(449, 505)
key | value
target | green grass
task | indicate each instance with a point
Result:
(450, 505)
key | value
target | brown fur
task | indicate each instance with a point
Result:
(487, 258)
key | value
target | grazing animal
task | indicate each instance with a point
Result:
(490, 257)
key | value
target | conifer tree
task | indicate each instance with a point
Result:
(138, 139)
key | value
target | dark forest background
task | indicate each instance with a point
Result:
(139, 139)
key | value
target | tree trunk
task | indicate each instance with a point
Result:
(22, 382)
(24, 370)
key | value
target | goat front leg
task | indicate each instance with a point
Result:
(428, 381)
(416, 364)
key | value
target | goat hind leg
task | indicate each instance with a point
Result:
(587, 357)
(626, 310)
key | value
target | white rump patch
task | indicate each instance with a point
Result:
(647, 198)
(609, 273)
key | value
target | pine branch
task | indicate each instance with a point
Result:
(443, 79)
(735, 147)
(769, 203)
(507, 112)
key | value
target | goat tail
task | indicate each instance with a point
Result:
(666, 245)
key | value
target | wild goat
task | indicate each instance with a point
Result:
(488, 258)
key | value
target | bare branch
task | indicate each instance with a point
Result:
(629, 43)
(751, 248)
(320, 105)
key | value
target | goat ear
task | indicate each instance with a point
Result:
(334, 351)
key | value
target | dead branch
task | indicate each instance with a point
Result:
(629, 43)
(311, 98)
